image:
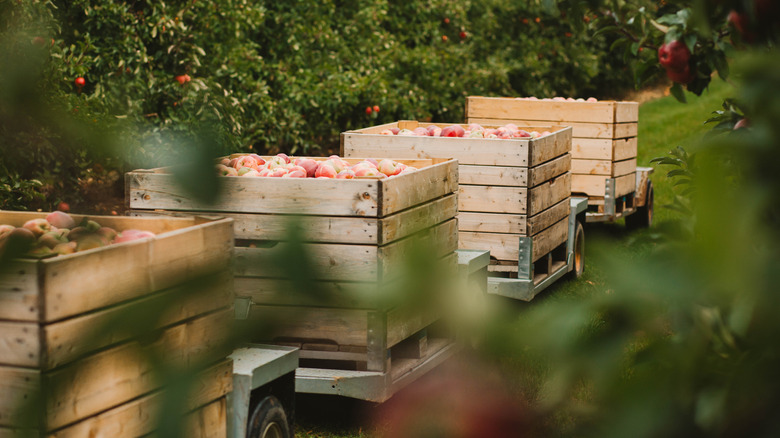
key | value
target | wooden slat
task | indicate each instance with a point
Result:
(208, 422)
(493, 175)
(340, 326)
(20, 343)
(551, 110)
(139, 417)
(506, 246)
(405, 321)
(579, 129)
(332, 197)
(73, 285)
(19, 292)
(623, 130)
(548, 194)
(549, 170)
(18, 387)
(591, 167)
(591, 149)
(74, 337)
(120, 374)
(408, 190)
(492, 222)
(421, 217)
(625, 149)
(436, 242)
(595, 185)
(624, 167)
(492, 199)
(157, 226)
(273, 291)
(548, 217)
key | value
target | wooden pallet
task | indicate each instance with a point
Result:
(508, 188)
(337, 297)
(604, 135)
(71, 326)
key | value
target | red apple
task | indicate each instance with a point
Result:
(395, 131)
(388, 167)
(59, 219)
(420, 131)
(453, 131)
(284, 157)
(386, 132)
(376, 108)
(132, 234)
(326, 169)
(308, 164)
(433, 131)
(80, 81)
(742, 123)
(684, 76)
(674, 55)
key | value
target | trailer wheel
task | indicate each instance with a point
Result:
(643, 216)
(268, 420)
(579, 251)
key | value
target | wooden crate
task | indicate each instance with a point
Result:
(357, 236)
(604, 135)
(508, 188)
(72, 346)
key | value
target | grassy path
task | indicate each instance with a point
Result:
(664, 124)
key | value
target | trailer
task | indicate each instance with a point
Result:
(636, 207)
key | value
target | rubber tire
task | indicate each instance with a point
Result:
(643, 216)
(579, 251)
(268, 420)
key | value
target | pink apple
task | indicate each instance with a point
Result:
(132, 234)
(225, 161)
(279, 172)
(386, 132)
(511, 127)
(326, 169)
(408, 169)
(420, 131)
(50, 239)
(592, 99)
(362, 165)
(522, 133)
(367, 171)
(59, 219)
(308, 164)
(476, 134)
(38, 226)
(434, 131)
(245, 161)
(346, 174)
(260, 160)
(284, 157)
(406, 132)
(388, 167)
(65, 248)
(453, 131)
(232, 162)
(251, 173)
(265, 172)
(475, 127)
(6, 230)
(223, 170)
(395, 131)
(275, 162)
(295, 173)
(244, 170)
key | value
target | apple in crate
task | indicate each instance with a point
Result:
(308, 164)
(453, 131)
(132, 234)
(60, 219)
(38, 226)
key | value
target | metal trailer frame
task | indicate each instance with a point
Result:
(633, 201)
(378, 386)
(256, 366)
(524, 287)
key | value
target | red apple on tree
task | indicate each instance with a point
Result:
(674, 55)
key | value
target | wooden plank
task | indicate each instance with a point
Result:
(625, 149)
(546, 148)
(435, 242)
(72, 285)
(492, 222)
(157, 226)
(404, 321)
(548, 110)
(139, 417)
(408, 190)
(591, 149)
(591, 167)
(115, 376)
(548, 194)
(303, 323)
(274, 291)
(548, 217)
(19, 292)
(549, 170)
(74, 337)
(624, 167)
(493, 175)
(330, 229)
(325, 261)
(330, 197)
(208, 422)
(623, 130)
(492, 199)
(19, 387)
(626, 112)
(422, 217)
(595, 185)
(20, 343)
(505, 247)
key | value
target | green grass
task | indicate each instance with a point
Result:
(663, 125)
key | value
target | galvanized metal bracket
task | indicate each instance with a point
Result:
(609, 197)
(525, 264)
(241, 306)
(377, 351)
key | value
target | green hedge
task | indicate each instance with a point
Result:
(273, 76)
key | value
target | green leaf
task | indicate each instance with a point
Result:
(678, 93)
(690, 41)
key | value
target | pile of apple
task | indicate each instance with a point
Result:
(560, 99)
(282, 166)
(474, 130)
(59, 234)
